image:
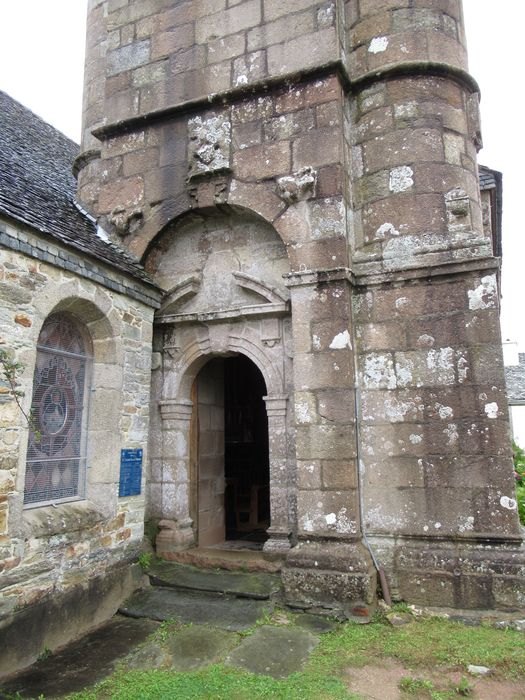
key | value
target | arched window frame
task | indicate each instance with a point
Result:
(56, 464)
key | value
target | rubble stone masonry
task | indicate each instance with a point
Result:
(65, 567)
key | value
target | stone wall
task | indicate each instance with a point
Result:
(50, 550)
(351, 129)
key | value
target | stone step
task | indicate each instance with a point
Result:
(229, 558)
(196, 607)
(258, 586)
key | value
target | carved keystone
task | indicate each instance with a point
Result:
(299, 186)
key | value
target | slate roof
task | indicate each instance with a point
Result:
(37, 187)
(487, 178)
(515, 380)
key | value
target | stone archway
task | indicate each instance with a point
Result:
(182, 366)
(225, 294)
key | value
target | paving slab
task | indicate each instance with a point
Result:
(259, 586)
(199, 646)
(82, 663)
(273, 651)
(151, 655)
(318, 624)
(234, 614)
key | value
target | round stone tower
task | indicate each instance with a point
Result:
(333, 143)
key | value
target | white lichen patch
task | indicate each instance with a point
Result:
(331, 518)
(404, 372)
(407, 110)
(401, 303)
(401, 179)
(316, 342)
(341, 341)
(302, 412)
(379, 372)
(485, 295)
(396, 410)
(442, 359)
(343, 524)
(378, 44)
(509, 503)
(444, 412)
(415, 439)
(451, 431)
(386, 229)
(491, 409)
(467, 524)
(462, 369)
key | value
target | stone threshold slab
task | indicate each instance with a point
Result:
(258, 586)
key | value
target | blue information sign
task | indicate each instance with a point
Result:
(130, 472)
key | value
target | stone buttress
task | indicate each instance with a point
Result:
(341, 138)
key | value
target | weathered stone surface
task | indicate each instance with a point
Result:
(233, 614)
(256, 586)
(198, 647)
(365, 294)
(273, 651)
(82, 663)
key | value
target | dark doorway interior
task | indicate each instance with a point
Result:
(246, 458)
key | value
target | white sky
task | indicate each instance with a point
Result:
(41, 65)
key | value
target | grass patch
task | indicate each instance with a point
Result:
(423, 644)
(214, 683)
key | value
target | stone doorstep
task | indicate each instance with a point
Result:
(229, 559)
(254, 585)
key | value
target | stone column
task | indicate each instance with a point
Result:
(330, 566)
(176, 532)
(279, 529)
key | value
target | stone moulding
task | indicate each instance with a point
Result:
(276, 303)
(252, 284)
(181, 292)
(413, 68)
(234, 313)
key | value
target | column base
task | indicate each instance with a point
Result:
(335, 577)
(278, 543)
(173, 537)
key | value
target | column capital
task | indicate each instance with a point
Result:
(276, 405)
(175, 409)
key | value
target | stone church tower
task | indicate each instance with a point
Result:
(300, 180)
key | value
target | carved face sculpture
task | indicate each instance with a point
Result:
(206, 150)
(209, 145)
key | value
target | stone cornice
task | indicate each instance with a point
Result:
(337, 67)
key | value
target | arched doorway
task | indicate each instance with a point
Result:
(230, 462)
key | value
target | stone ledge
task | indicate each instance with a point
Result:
(56, 620)
(69, 517)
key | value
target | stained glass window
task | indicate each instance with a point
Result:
(55, 468)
